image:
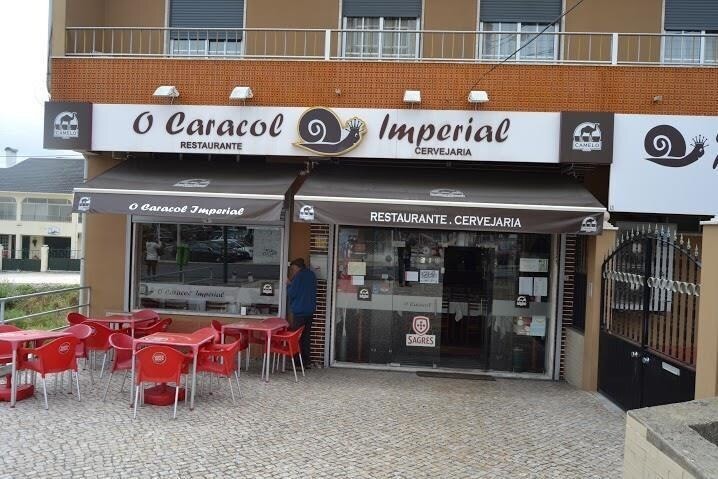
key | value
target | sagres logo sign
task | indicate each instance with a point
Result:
(421, 326)
(666, 146)
(587, 137)
(66, 125)
(322, 132)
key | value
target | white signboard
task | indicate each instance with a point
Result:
(355, 132)
(665, 164)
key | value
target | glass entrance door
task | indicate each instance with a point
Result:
(431, 298)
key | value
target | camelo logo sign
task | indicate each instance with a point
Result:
(421, 326)
(66, 125)
(587, 137)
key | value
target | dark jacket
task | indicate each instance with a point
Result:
(302, 293)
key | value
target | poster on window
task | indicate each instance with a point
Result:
(267, 243)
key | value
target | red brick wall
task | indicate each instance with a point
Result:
(373, 84)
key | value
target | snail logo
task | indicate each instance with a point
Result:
(666, 146)
(589, 225)
(193, 183)
(83, 204)
(587, 137)
(447, 193)
(66, 125)
(321, 132)
(306, 213)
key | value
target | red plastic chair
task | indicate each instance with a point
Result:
(6, 349)
(81, 332)
(157, 327)
(99, 341)
(215, 334)
(76, 318)
(53, 357)
(221, 360)
(146, 314)
(122, 344)
(286, 343)
(158, 364)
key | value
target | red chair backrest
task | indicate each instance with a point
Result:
(227, 354)
(159, 364)
(209, 330)
(80, 331)
(217, 325)
(99, 340)
(122, 343)
(57, 355)
(76, 318)
(146, 314)
(6, 348)
(292, 339)
(154, 328)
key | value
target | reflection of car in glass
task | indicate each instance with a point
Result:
(211, 251)
(241, 249)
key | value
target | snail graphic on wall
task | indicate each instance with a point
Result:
(667, 147)
(321, 131)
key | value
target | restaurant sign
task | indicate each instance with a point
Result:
(319, 131)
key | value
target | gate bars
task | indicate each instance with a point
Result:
(651, 292)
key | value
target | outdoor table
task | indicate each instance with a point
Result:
(192, 340)
(120, 319)
(16, 338)
(267, 326)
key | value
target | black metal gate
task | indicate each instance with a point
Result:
(650, 291)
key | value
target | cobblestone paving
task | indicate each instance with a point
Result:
(335, 423)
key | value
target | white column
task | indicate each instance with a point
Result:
(44, 257)
(18, 246)
(1, 252)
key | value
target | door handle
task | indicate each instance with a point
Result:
(634, 354)
(645, 360)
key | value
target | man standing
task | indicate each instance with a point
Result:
(302, 292)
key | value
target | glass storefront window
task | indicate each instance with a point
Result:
(442, 298)
(217, 269)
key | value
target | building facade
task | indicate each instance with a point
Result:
(36, 210)
(447, 168)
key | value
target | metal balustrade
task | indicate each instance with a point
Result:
(395, 45)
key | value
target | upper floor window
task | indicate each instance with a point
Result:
(45, 209)
(8, 208)
(381, 37)
(697, 47)
(213, 27)
(509, 36)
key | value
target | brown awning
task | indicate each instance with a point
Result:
(448, 199)
(219, 190)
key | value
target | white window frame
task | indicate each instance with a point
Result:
(46, 202)
(517, 57)
(8, 200)
(701, 60)
(380, 51)
(205, 50)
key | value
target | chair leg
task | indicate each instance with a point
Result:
(295, 370)
(107, 388)
(77, 383)
(102, 369)
(239, 360)
(124, 378)
(249, 353)
(44, 391)
(137, 399)
(239, 388)
(174, 414)
(301, 363)
(90, 357)
(231, 389)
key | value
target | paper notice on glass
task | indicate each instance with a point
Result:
(538, 326)
(526, 285)
(411, 276)
(533, 265)
(429, 276)
(540, 287)
(358, 280)
(356, 268)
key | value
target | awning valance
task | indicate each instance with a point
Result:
(211, 190)
(448, 199)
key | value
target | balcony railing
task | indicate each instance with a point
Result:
(395, 45)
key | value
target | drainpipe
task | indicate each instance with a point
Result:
(84, 294)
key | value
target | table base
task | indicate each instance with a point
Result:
(24, 391)
(162, 395)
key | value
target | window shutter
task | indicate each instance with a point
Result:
(525, 11)
(207, 14)
(382, 8)
(691, 15)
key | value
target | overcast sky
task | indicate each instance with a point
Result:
(23, 91)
